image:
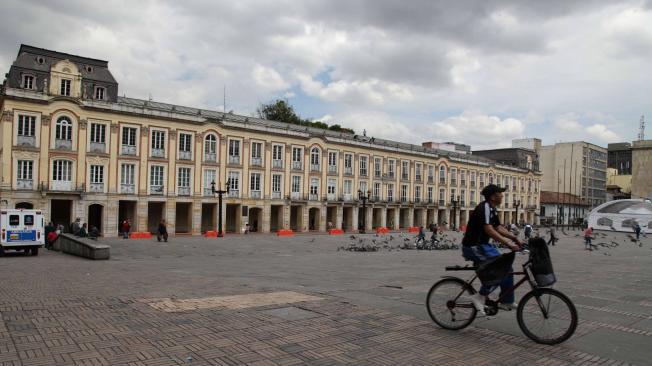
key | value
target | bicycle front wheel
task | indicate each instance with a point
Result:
(449, 304)
(547, 316)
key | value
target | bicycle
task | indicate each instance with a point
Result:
(449, 306)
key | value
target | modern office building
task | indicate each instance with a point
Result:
(578, 168)
(620, 157)
(642, 169)
(73, 148)
(513, 156)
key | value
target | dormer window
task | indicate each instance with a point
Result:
(65, 87)
(99, 92)
(28, 81)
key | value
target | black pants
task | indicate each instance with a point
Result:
(164, 236)
(552, 240)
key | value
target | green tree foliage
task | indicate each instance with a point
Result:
(282, 111)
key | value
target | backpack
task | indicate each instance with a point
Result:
(541, 264)
(493, 271)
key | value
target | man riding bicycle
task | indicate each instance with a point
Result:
(484, 225)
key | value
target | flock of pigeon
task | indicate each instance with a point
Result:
(397, 242)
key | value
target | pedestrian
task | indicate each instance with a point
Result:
(83, 231)
(587, 237)
(528, 231)
(75, 226)
(637, 230)
(48, 229)
(162, 232)
(126, 227)
(421, 237)
(246, 228)
(51, 238)
(93, 233)
(553, 237)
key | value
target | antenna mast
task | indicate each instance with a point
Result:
(641, 129)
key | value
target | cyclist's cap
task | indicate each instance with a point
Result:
(491, 189)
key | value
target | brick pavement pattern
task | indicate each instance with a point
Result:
(316, 306)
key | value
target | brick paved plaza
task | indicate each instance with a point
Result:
(264, 300)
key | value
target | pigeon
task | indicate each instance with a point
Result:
(312, 241)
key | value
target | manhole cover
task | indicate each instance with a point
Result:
(291, 313)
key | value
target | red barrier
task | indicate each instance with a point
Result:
(210, 234)
(413, 229)
(382, 230)
(285, 232)
(336, 231)
(140, 235)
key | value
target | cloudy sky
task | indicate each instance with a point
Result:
(479, 72)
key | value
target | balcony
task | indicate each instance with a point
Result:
(208, 192)
(390, 175)
(417, 200)
(297, 165)
(377, 174)
(210, 157)
(473, 203)
(404, 176)
(185, 155)
(97, 187)
(472, 184)
(506, 204)
(442, 202)
(128, 150)
(431, 180)
(278, 164)
(462, 203)
(514, 188)
(390, 199)
(348, 197)
(276, 195)
(158, 153)
(26, 140)
(24, 184)
(255, 195)
(295, 195)
(453, 182)
(234, 159)
(313, 197)
(330, 197)
(442, 182)
(156, 189)
(99, 147)
(257, 161)
(61, 185)
(348, 170)
(404, 199)
(463, 183)
(417, 178)
(314, 167)
(332, 168)
(183, 191)
(233, 193)
(127, 188)
(363, 173)
(430, 201)
(376, 198)
(63, 144)
(531, 207)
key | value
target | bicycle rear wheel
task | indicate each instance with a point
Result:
(547, 316)
(449, 304)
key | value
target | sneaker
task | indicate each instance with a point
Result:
(478, 301)
(507, 307)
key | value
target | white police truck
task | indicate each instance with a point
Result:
(21, 229)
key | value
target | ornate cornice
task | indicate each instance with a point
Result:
(45, 120)
(7, 116)
(82, 124)
(144, 131)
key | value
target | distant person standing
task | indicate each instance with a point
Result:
(553, 235)
(637, 230)
(528, 231)
(587, 237)
(162, 232)
(126, 227)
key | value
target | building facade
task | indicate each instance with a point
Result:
(514, 156)
(620, 157)
(578, 168)
(642, 169)
(73, 148)
(562, 209)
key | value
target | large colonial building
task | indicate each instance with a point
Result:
(73, 148)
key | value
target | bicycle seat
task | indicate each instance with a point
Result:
(461, 268)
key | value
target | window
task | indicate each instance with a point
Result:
(25, 169)
(348, 164)
(363, 165)
(127, 174)
(332, 161)
(348, 187)
(390, 192)
(14, 220)
(99, 92)
(453, 176)
(417, 171)
(430, 195)
(28, 81)
(28, 220)
(314, 188)
(185, 142)
(98, 133)
(417, 193)
(65, 87)
(378, 163)
(314, 158)
(62, 170)
(431, 173)
(442, 196)
(405, 170)
(183, 178)
(26, 125)
(234, 181)
(463, 177)
(472, 178)
(63, 129)
(481, 180)
(129, 136)
(97, 174)
(256, 153)
(463, 197)
(296, 154)
(209, 179)
(404, 192)
(156, 176)
(210, 147)
(158, 140)
(296, 184)
(331, 187)
(506, 182)
(442, 174)
(390, 168)
(377, 191)
(472, 198)
(276, 183)
(363, 187)
(491, 178)
(234, 148)
(277, 152)
(255, 182)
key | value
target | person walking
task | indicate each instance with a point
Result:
(162, 232)
(126, 227)
(637, 230)
(48, 229)
(528, 231)
(553, 237)
(587, 237)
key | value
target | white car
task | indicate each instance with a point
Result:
(21, 229)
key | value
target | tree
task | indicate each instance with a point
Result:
(280, 110)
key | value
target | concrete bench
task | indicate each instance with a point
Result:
(81, 247)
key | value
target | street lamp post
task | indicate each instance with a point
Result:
(219, 193)
(364, 209)
(455, 203)
(517, 204)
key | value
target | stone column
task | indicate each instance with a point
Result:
(305, 216)
(267, 217)
(397, 219)
(286, 216)
(369, 216)
(383, 217)
(410, 217)
(110, 219)
(339, 216)
(141, 215)
(196, 217)
(354, 218)
(323, 219)
(171, 215)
